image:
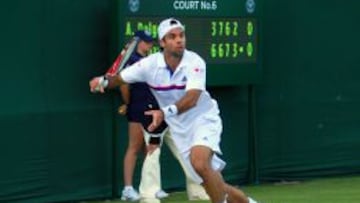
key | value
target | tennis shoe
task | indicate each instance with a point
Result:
(161, 194)
(130, 194)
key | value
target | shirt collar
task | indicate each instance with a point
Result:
(162, 63)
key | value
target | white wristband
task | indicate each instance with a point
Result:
(170, 110)
(103, 82)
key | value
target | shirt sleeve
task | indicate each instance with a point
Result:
(196, 75)
(135, 73)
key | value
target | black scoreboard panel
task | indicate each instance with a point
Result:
(217, 40)
(224, 32)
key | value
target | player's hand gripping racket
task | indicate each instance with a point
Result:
(117, 65)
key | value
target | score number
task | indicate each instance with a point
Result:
(230, 28)
(231, 50)
(230, 45)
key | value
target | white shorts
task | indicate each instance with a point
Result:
(206, 133)
(217, 164)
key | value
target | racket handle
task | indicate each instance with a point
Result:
(102, 83)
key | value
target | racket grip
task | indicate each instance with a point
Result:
(103, 83)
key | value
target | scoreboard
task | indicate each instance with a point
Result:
(226, 33)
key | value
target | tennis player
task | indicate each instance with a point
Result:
(177, 78)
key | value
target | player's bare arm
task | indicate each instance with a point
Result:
(188, 101)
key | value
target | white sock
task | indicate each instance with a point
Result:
(251, 200)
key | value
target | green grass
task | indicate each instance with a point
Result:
(331, 190)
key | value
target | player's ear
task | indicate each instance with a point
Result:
(162, 42)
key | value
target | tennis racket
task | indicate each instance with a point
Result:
(123, 57)
(118, 64)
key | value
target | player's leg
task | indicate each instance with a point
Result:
(219, 191)
(200, 157)
(235, 195)
(135, 145)
(194, 190)
(206, 164)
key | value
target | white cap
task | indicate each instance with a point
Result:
(168, 24)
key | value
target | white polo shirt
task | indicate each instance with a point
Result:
(169, 87)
